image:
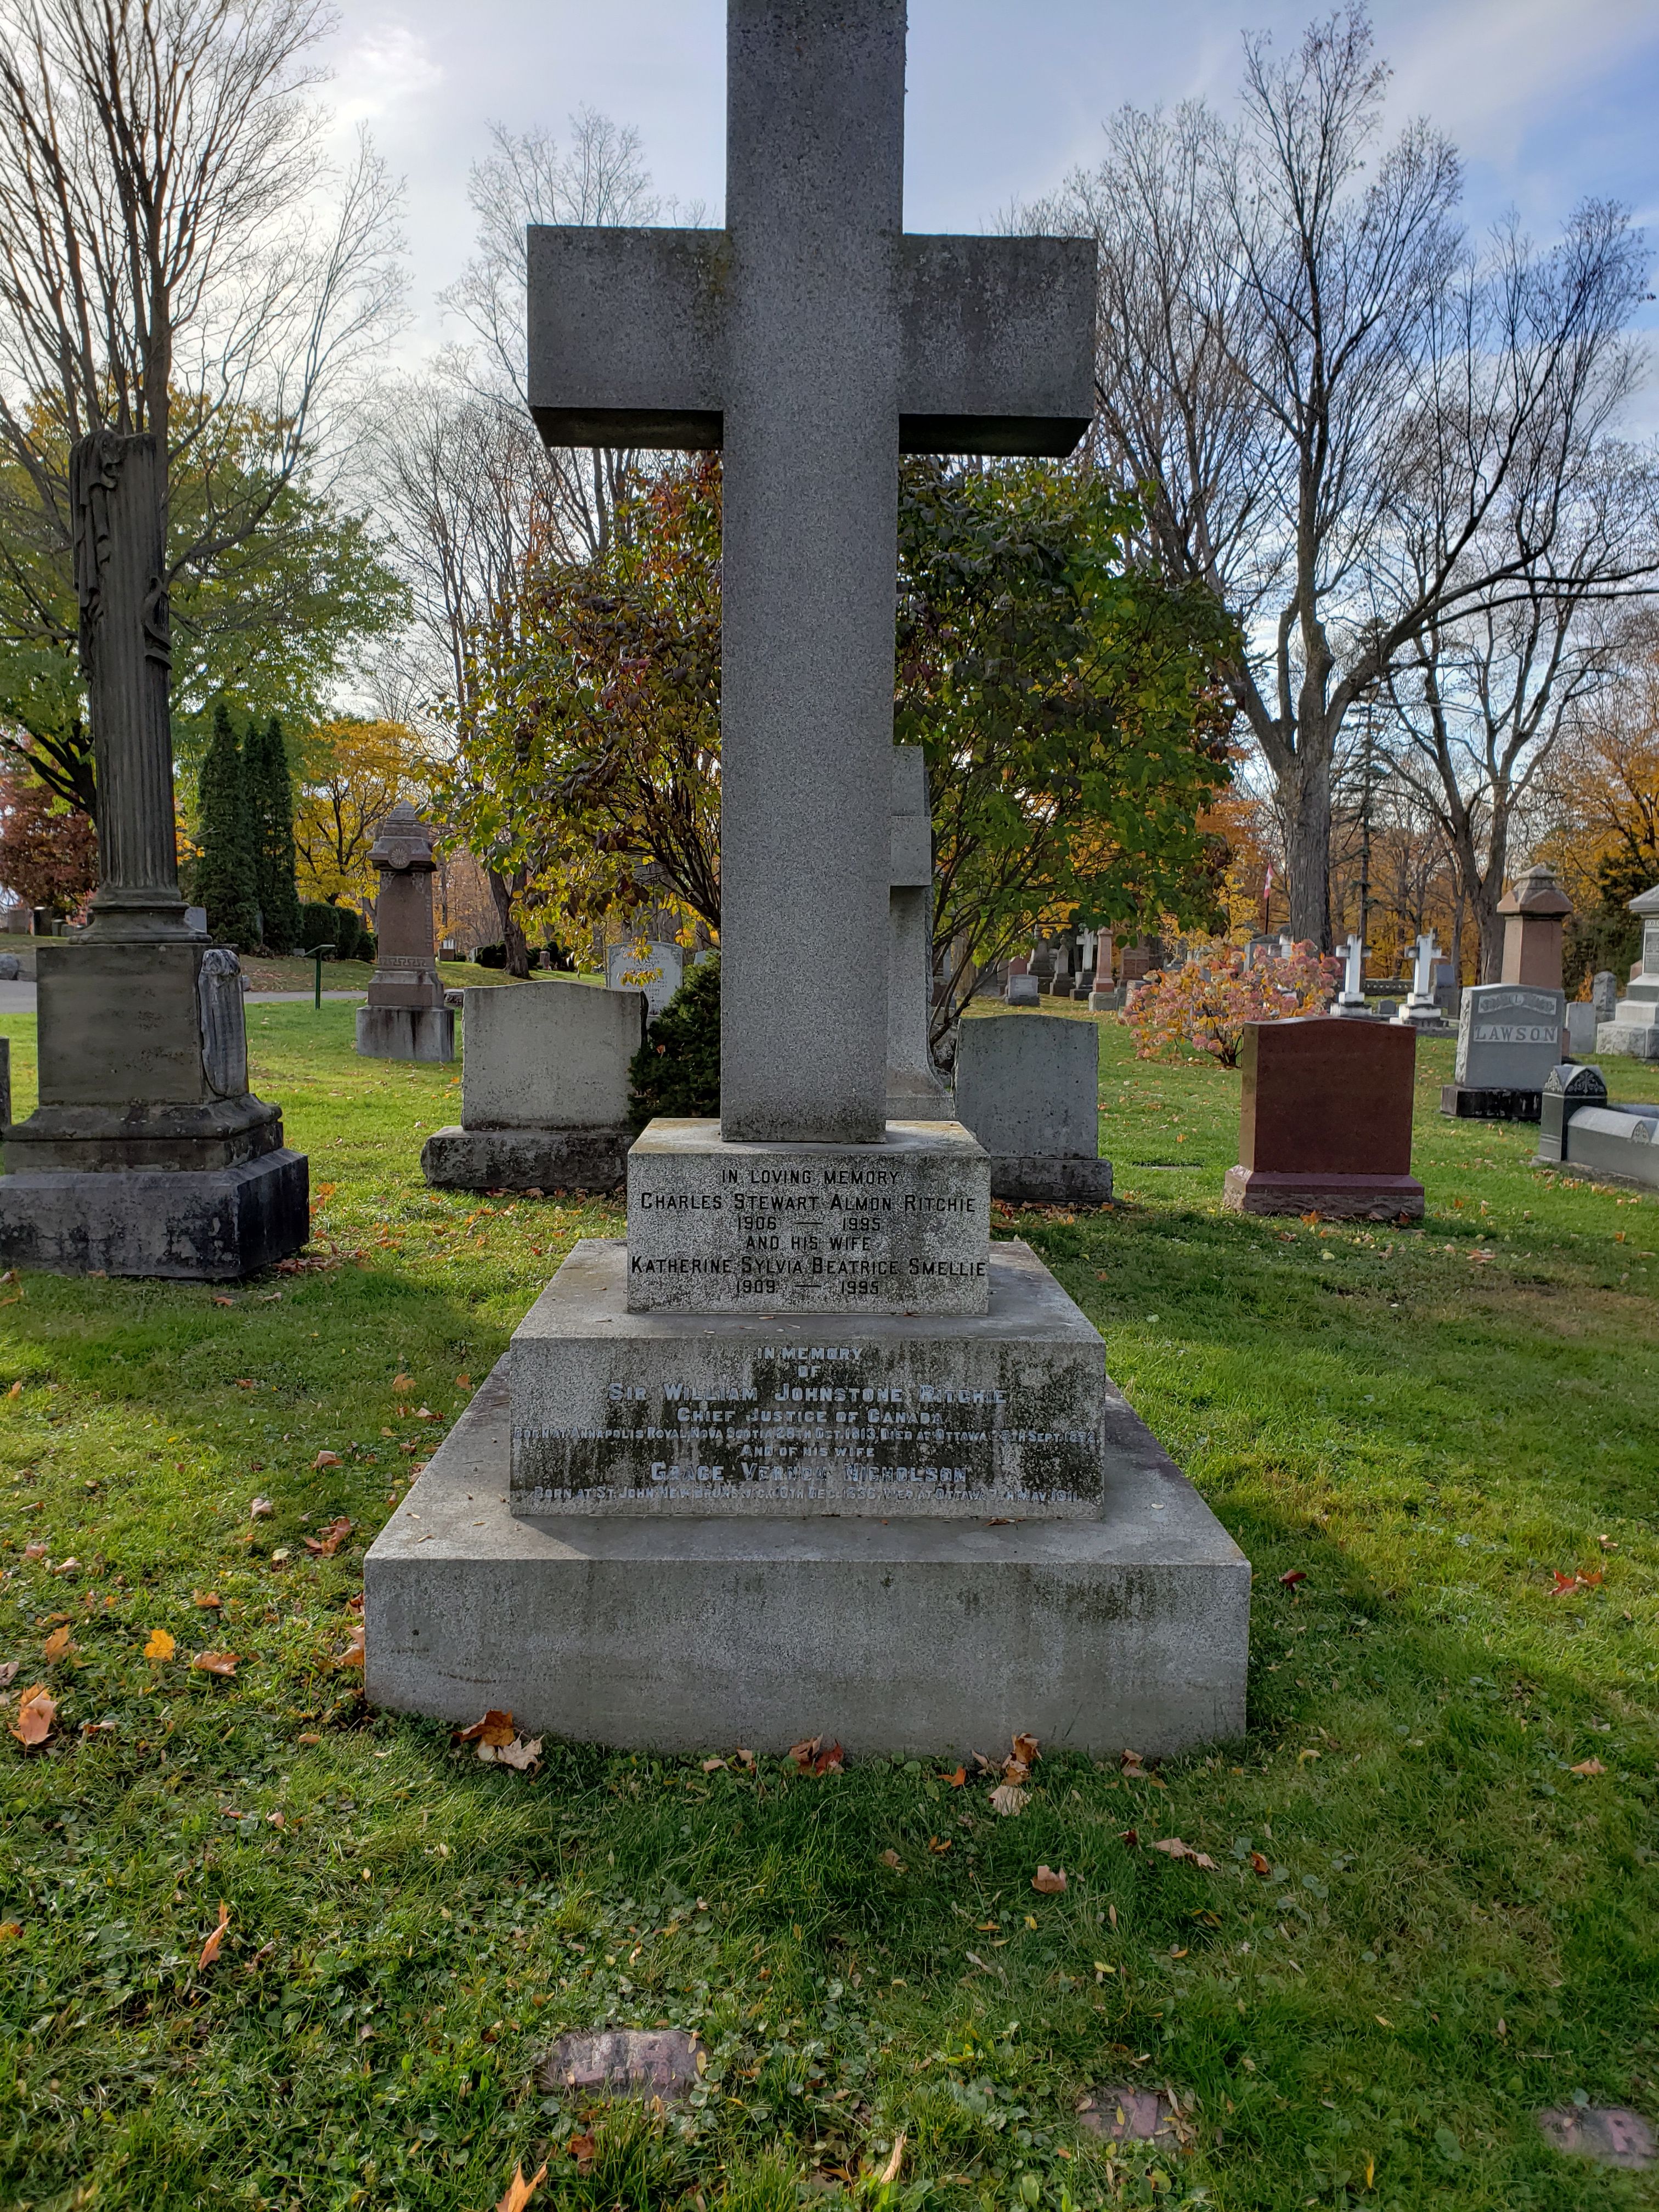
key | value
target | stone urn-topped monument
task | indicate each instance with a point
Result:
(405, 1017)
(148, 1154)
(807, 1452)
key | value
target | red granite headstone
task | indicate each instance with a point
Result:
(1325, 1121)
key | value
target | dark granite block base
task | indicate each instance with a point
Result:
(1050, 1179)
(1337, 1197)
(526, 1159)
(1463, 1103)
(205, 1227)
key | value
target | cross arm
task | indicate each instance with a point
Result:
(999, 344)
(626, 336)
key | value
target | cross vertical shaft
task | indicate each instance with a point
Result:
(814, 196)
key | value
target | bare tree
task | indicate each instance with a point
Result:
(167, 261)
(1327, 401)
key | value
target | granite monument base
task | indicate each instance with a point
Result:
(213, 1225)
(912, 1635)
(1336, 1197)
(526, 1159)
(1613, 1144)
(1050, 1179)
(406, 1033)
(1465, 1102)
(1106, 1002)
(1628, 1039)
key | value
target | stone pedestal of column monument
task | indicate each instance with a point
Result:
(1633, 1032)
(405, 1017)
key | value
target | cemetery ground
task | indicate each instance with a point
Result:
(1427, 1903)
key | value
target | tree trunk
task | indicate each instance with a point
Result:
(502, 888)
(1304, 793)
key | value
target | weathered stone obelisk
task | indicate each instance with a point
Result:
(808, 1450)
(405, 1017)
(147, 1154)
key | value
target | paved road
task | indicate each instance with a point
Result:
(18, 998)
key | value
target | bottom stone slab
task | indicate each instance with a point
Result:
(1338, 1197)
(1050, 1179)
(1628, 1040)
(526, 1159)
(911, 1635)
(1463, 1102)
(212, 1226)
(424, 1033)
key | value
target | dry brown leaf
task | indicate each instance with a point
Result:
(328, 1541)
(462, 1382)
(1584, 1766)
(36, 1551)
(9, 1673)
(160, 1644)
(10, 1928)
(1049, 1882)
(890, 2173)
(743, 1758)
(402, 1385)
(523, 1753)
(582, 2149)
(210, 1948)
(1262, 1865)
(713, 1767)
(37, 1709)
(207, 1600)
(956, 1779)
(326, 1459)
(57, 1644)
(1025, 1750)
(1176, 1850)
(889, 1857)
(805, 1752)
(260, 1509)
(215, 1662)
(831, 1760)
(67, 1567)
(520, 2191)
(353, 1654)
(495, 1728)
(938, 1845)
(1007, 1798)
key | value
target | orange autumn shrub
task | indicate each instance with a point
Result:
(1206, 1002)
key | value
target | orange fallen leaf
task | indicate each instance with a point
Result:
(311, 1739)
(462, 1382)
(1296, 1575)
(1176, 1850)
(1563, 1583)
(160, 1644)
(520, 2191)
(215, 1662)
(713, 1767)
(1025, 1750)
(804, 1753)
(353, 1654)
(326, 1459)
(495, 1728)
(1262, 1865)
(831, 1760)
(210, 1948)
(582, 2149)
(34, 1551)
(10, 1928)
(1589, 1766)
(328, 1542)
(956, 1779)
(57, 1644)
(208, 1600)
(37, 1709)
(224, 1302)
(402, 1384)
(1049, 1882)
(938, 1845)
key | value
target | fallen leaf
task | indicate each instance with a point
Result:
(1563, 1583)
(402, 1385)
(57, 1644)
(325, 1545)
(830, 1761)
(311, 1739)
(889, 1857)
(890, 2173)
(326, 1459)
(713, 1767)
(1025, 1750)
(210, 1948)
(1262, 1865)
(520, 2191)
(938, 1845)
(67, 1567)
(804, 1753)
(1584, 1766)
(224, 1302)
(208, 1600)
(1296, 1575)
(34, 1551)
(1176, 1850)
(215, 1662)
(744, 1759)
(260, 1509)
(462, 1382)
(10, 1928)
(9, 1673)
(521, 1752)
(37, 1709)
(1050, 1881)
(956, 1779)
(160, 1644)
(1008, 1800)
(353, 1654)
(495, 1728)
(581, 2148)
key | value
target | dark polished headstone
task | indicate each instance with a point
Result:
(1325, 1121)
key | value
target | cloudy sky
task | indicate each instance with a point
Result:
(1548, 99)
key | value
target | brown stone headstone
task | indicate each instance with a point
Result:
(405, 1017)
(1325, 1121)
(1534, 911)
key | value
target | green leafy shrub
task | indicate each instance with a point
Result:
(676, 1071)
(490, 956)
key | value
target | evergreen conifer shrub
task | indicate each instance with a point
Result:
(676, 1071)
(270, 794)
(226, 882)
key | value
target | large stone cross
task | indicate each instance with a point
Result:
(811, 341)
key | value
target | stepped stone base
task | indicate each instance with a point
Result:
(1337, 1197)
(904, 1636)
(406, 1033)
(214, 1225)
(526, 1159)
(1050, 1179)
(1626, 1040)
(1465, 1102)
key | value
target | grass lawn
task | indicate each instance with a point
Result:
(1436, 1902)
(297, 973)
